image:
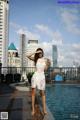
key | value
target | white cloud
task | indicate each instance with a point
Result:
(42, 28)
(21, 29)
(70, 19)
(29, 35)
(76, 46)
(47, 47)
(67, 54)
(14, 25)
(60, 57)
(32, 35)
(57, 38)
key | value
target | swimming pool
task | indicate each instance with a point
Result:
(64, 101)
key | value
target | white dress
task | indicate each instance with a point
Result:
(38, 78)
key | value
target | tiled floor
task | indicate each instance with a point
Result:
(17, 104)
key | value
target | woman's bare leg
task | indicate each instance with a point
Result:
(43, 101)
(33, 101)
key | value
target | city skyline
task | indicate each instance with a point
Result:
(49, 22)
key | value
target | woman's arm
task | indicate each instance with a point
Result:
(30, 56)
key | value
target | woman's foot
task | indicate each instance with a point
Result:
(33, 113)
(44, 112)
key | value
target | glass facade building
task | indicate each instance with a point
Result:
(54, 55)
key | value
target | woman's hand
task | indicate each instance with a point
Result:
(38, 51)
(30, 56)
(48, 63)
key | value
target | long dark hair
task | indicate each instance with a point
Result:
(36, 56)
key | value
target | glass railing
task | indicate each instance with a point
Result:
(63, 74)
(17, 74)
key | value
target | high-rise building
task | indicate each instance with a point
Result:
(13, 58)
(54, 55)
(22, 50)
(4, 15)
(31, 47)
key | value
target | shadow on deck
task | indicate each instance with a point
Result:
(18, 104)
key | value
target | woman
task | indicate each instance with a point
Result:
(38, 78)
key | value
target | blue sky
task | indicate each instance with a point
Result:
(50, 23)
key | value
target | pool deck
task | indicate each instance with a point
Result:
(17, 102)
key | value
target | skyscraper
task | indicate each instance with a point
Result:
(54, 55)
(4, 15)
(22, 50)
(31, 47)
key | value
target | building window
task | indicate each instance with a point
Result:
(16, 54)
(1, 21)
(0, 18)
(1, 12)
(0, 45)
(1, 15)
(7, 1)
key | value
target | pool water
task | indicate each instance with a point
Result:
(64, 101)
